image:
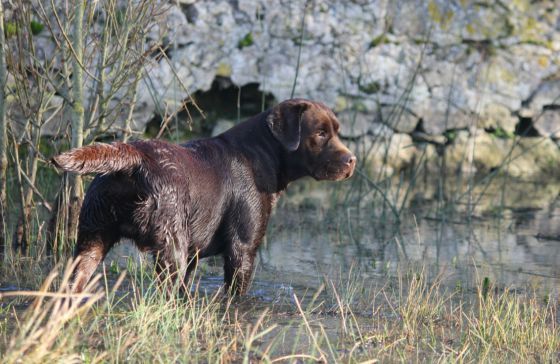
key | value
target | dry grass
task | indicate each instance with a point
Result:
(47, 332)
(349, 319)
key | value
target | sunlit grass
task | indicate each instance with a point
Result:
(348, 319)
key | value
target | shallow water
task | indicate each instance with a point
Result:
(320, 232)
(514, 243)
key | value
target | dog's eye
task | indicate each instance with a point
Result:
(322, 134)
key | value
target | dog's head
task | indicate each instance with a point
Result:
(308, 130)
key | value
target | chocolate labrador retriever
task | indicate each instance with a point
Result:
(206, 197)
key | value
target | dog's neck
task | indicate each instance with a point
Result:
(266, 155)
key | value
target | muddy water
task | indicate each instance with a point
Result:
(509, 234)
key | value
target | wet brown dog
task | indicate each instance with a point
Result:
(207, 197)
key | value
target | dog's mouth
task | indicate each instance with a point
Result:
(349, 173)
(339, 173)
(346, 174)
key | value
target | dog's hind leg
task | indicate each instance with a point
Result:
(239, 265)
(191, 267)
(171, 264)
(90, 250)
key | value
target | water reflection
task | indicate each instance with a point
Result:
(514, 243)
(513, 240)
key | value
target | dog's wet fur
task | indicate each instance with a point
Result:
(206, 197)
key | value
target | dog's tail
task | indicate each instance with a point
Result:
(100, 158)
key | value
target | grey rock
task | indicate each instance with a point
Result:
(388, 155)
(548, 123)
(379, 131)
(497, 116)
(522, 158)
(545, 96)
(399, 118)
(221, 126)
(428, 138)
(354, 124)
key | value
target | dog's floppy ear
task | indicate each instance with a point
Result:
(284, 121)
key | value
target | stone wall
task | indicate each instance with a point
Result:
(456, 73)
(425, 69)
(444, 61)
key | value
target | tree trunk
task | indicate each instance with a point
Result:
(3, 139)
(62, 227)
(76, 193)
